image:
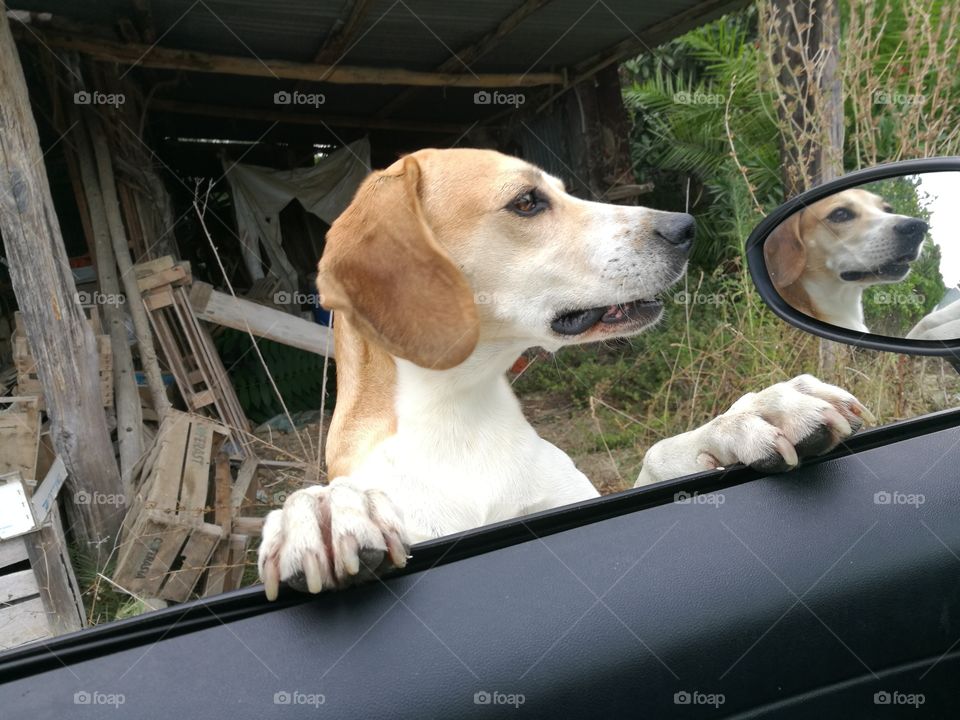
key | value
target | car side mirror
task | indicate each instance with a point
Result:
(871, 259)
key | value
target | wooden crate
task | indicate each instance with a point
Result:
(28, 382)
(166, 542)
(19, 435)
(39, 596)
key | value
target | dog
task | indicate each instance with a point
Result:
(444, 268)
(824, 256)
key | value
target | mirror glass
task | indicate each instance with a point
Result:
(881, 257)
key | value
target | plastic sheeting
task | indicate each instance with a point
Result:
(259, 194)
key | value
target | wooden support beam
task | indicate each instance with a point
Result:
(137, 54)
(58, 332)
(460, 61)
(283, 116)
(266, 322)
(121, 252)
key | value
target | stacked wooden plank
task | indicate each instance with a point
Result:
(187, 347)
(28, 383)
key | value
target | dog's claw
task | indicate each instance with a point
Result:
(271, 580)
(837, 423)
(351, 556)
(311, 570)
(786, 450)
(861, 410)
(397, 550)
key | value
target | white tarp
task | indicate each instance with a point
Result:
(259, 194)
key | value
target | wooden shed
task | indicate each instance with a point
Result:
(124, 125)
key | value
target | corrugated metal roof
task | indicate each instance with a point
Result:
(414, 34)
(409, 34)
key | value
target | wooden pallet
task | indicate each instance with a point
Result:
(166, 541)
(188, 349)
(28, 382)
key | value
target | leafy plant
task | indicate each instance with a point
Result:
(694, 102)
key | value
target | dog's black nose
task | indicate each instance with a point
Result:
(677, 229)
(911, 228)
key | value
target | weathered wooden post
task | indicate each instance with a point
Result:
(805, 50)
(126, 395)
(59, 335)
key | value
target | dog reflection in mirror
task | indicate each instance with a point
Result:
(823, 257)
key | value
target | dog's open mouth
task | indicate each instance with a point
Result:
(891, 271)
(635, 313)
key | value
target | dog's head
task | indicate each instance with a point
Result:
(447, 248)
(853, 236)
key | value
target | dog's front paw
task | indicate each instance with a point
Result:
(773, 430)
(327, 536)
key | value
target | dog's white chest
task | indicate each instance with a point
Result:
(474, 456)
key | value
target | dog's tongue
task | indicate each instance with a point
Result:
(613, 314)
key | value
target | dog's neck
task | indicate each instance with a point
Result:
(379, 395)
(827, 300)
(836, 303)
(427, 396)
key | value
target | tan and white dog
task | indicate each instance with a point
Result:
(445, 267)
(823, 257)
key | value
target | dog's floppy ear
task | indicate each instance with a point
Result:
(785, 253)
(384, 270)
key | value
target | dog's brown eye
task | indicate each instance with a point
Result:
(529, 203)
(840, 215)
(888, 208)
